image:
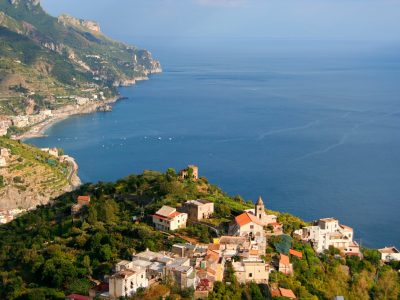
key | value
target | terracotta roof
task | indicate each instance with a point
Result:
(175, 214)
(84, 198)
(284, 259)
(275, 293)
(246, 218)
(296, 253)
(287, 293)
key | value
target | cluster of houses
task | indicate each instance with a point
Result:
(199, 266)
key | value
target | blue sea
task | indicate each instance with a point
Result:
(311, 126)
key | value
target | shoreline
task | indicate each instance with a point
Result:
(39, 129)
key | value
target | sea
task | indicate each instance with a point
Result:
(311, 126)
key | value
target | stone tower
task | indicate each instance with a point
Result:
(259, 209)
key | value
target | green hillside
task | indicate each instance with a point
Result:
(47, 253)
(31, 176)
(48, 59)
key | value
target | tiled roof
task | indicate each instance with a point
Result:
(166, 211)
(287, 293)
(246, 218)
(296, 253)
(284, 259)
(84, 198)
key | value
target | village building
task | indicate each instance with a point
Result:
(51, 151)
(168, 218)
(262, 216)
(4, 152)
(81, 202)
(251, 270)
(285, 266)
(389, 254)
(191, 171)
(198, 209)
(328, 232)
(127, 279)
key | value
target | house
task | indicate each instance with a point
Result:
(325, 233)
(163, 266)
(127, 280)
(285, 266)
(389, 253)
(251, 270)
(198, 209)
(191, 171)
(284, 293)
(246, 225)
(82, 201)
(168, 218)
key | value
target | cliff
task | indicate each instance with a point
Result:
(45, 60)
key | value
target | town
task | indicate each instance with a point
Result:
(240, 250)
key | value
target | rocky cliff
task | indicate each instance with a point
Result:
(46, 59)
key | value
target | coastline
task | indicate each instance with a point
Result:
(39, 129)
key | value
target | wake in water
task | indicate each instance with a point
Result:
(344, 138)
(277, 131)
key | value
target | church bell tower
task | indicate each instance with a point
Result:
(259, 209)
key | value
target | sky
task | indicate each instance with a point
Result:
(293, 19)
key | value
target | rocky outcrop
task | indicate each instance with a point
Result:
(89, 25)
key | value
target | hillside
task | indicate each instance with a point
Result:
(31, 177)
(48, 62)
(47, 253)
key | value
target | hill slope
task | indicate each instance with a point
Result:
(32, 177)
(47, 253)
(46, 60)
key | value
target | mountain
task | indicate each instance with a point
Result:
(30, 176)
(46, 62)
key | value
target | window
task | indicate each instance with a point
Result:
(251, 226)
(250, 275)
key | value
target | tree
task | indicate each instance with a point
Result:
(386, 287)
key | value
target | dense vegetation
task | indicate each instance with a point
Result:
(47, 252)
(57, 58)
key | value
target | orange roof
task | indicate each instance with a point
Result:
(275, 293)
(243, 219)
(246, 218)
(84, 198)
(296, 253)
(284, 259)
(174, 214)
(287, 293)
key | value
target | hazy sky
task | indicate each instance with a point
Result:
(317, 19)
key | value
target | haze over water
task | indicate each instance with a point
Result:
(311, 126)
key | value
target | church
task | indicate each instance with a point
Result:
(252, 221)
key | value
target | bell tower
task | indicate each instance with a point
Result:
(259, 209)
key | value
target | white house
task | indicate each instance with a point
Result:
(247, 225)
(127, 279)
(328, 232)
(168, 218)
(390, 253)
